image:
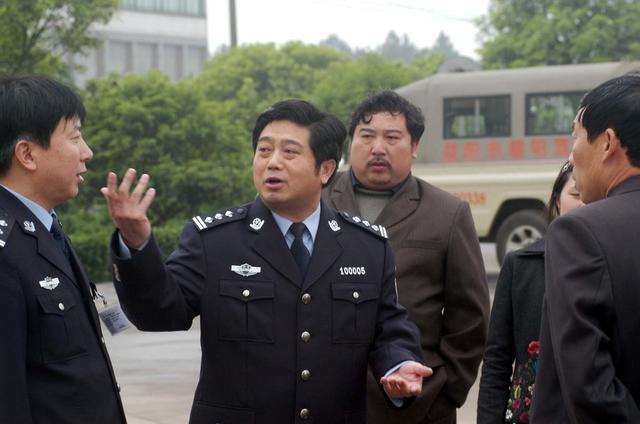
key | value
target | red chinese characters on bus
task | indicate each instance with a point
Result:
(516, 149)
(471, 151)
(538, 148)
(494, 150)
(561, 147)
(450, 152)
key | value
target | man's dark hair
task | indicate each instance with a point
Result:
(31, 107)
(392, 102)
(615, 104)
(327, 132)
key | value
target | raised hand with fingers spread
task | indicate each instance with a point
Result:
(128, 209)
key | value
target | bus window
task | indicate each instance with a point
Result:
(466, 117)
(551, 113)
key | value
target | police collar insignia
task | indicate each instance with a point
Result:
(246, 270)
(29, 226)
(257, 223)
(49, 283)
(333, 224)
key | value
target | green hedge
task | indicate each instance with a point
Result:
(93, 248)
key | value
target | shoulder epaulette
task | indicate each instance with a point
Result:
(217, 218)
(6, 223)
(378, 230)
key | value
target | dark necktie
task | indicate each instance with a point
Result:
(58, 236)
(298, 249)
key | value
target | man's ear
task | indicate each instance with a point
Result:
(611, 144)
(414, 148)
(327, 168)
(24, 154)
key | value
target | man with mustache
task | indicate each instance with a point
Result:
(294, 299)
(441, 277)
(54, 366)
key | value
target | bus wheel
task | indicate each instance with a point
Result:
(519, 230)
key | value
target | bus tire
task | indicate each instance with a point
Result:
(519, 230)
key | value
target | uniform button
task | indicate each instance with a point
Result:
(356, 295)
(61, 306)
(246, 293)
(305, 375)
(305, 413)
(306, 298)
(305, 336)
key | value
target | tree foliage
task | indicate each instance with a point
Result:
(347, 83)
(36, 35)
(519, 33)
(198, 156)
(194, 136)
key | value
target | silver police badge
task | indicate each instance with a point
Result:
(49, 283)
(333, 224)
(29, 226)
(257, 223)
(245, 269)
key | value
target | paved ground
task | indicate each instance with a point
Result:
(158, 371)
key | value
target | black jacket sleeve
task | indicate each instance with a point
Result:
(499, 355)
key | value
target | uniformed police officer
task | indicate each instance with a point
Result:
(295, 300)
(54, 367)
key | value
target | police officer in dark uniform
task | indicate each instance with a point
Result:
(54, 367)
(295, 299)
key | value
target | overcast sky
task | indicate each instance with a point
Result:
(361, 23)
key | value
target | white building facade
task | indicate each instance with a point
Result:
(168, 35)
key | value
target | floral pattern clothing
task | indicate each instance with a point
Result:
(522, 385)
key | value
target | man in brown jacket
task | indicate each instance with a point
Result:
(440, 272)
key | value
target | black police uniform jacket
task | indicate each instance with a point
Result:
(276, 348)
(54, 367)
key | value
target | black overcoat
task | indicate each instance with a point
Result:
(515, 323)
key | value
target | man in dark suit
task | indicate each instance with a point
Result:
(588, 370)
(294, 299)
(441, 277)
(54, 366)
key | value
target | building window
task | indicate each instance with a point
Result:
(174, 7)
(551, 113)
(146, 57)
(119, 57)
(466, 117)
(195, 58)
(172, 61)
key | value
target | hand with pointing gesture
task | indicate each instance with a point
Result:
(128, 209)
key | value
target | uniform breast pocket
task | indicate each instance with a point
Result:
(246, 310)
(61, 334)
(354, 311)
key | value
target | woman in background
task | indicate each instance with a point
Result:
(506, 388)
